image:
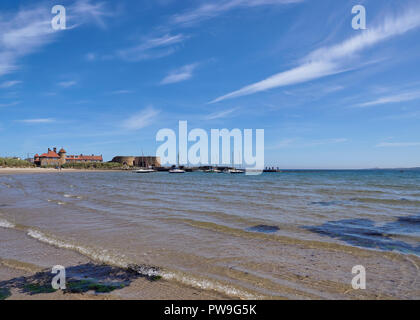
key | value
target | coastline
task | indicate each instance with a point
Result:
(50, 170)
(139, 289)
(28, 277)
(133, 226)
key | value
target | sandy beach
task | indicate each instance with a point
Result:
(122, 235)
(30, 276)
(139, 289)
(47, 170)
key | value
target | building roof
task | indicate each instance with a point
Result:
(49, 154)
(83, 157)
(53, 154)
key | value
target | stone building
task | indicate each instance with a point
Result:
(54, 158)
(133, 161)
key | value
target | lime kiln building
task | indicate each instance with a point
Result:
(133, 161)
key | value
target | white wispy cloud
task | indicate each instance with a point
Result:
(220, 114)
(153, 48)
(22, 33)
(215, 8)
(398, 144)
(181, 74)
(400, 97)
(84, 11)
(67, 84)
(29, 29)
(284, 143)
(326, 141)
(142, 119)
(9, 84)
(334, 59)
(300, 143)
(37, 121)
(10, 104)
(402, 116)
(123, 91)
(90, 56)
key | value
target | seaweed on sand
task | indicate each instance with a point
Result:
(4, 293)
(80, 286)
(81, 279)
(35, 288)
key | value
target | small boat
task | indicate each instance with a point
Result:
(177, 169)
(213, 170)
(234, 171)
(144, 170)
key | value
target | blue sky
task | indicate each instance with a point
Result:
(327, 96)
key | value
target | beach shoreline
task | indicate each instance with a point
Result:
(29, 276)
(139, 289)
(9, 171)
(272, 244)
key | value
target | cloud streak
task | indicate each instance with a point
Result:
(21, 34)
(140, 120)
(215, 8)
(221, 114)
(123, 91)
(294, 142)
(153, 48)
(402, 97)
(37, 121)
(11, 104)
(67, 84)
(29, 29)
(9, 84)
(335, 59)
(398, 144)
(181, 74)
(85, 11)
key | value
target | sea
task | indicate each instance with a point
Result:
(280, 235)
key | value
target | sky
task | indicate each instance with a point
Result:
(326, 95)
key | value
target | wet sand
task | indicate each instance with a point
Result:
(140, 289)
(211, 236)
(20, 278)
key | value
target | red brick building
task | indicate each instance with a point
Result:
(54, 158)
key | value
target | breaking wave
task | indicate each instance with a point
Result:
(106, 257)
(6, 224)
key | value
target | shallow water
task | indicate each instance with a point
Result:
(245, 236)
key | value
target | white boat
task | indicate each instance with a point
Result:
(147, 169)
(144, 170)
(177, 169)
(234, 171)
(213, 170)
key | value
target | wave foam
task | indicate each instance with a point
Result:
(209, 285)
(98, 255)
(103, 256)
(6, 224)
(72, 196)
